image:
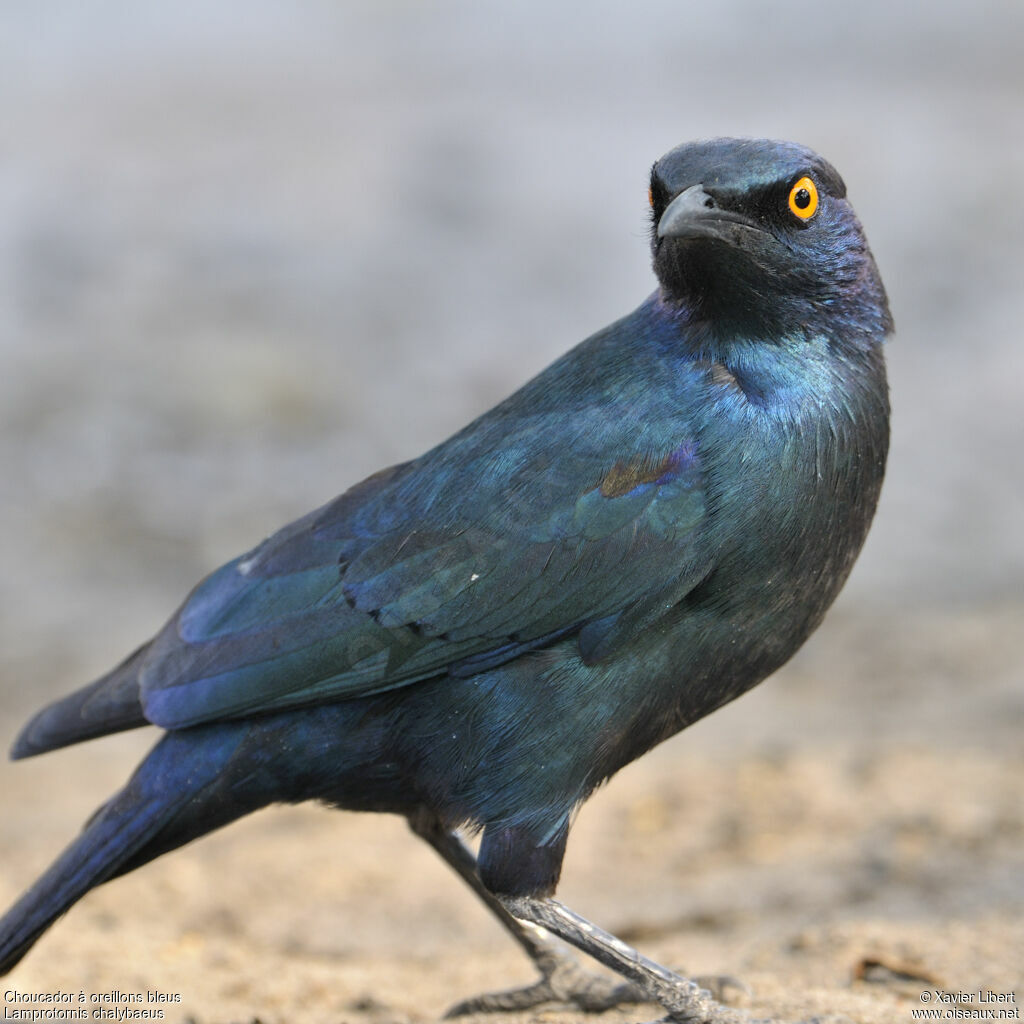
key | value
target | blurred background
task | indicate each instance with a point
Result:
(251, 252)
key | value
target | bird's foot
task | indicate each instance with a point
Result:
(684, 999)
(564, 981)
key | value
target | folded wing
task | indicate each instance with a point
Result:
(497, 542)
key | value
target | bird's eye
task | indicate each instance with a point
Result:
(650, 195)
(803, 199)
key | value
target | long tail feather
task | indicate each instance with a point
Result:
(172, 798)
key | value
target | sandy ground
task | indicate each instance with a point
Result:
(824, 839)
(251, 251)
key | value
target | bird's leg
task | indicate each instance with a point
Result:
(562, 980)
(684, 1000)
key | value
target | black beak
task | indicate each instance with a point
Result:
(695, 214)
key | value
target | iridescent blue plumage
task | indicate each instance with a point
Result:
(483, 635)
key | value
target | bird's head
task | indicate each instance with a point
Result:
(756, 238)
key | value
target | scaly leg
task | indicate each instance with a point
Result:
(562, 980)
(685, 1000)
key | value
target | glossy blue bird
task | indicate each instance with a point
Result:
(481, 636)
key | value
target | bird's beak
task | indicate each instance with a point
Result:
(695, 214)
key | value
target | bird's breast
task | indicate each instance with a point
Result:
(794, 457)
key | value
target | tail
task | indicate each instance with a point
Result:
(178, 793)
(111, 704)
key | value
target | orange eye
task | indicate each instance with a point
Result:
(650, 196)
(803, 199)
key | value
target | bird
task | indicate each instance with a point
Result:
(478, 638)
